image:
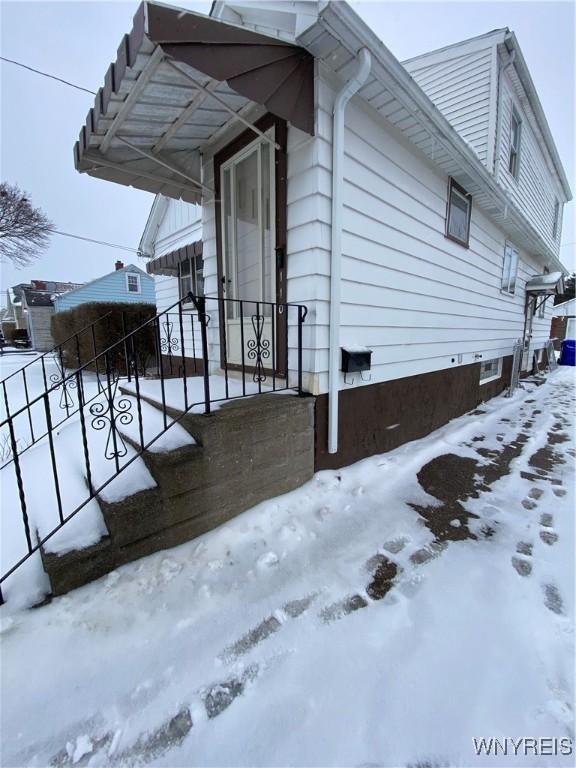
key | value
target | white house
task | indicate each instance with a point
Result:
(415, 209)
(565, 316)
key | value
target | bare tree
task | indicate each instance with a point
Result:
(24, 230)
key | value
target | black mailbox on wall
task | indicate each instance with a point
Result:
(356, 359)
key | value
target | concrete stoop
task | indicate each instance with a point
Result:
(247, 451)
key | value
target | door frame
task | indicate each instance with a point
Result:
(280, 166)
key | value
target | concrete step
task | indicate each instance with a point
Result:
(250, 450)
(80, 566)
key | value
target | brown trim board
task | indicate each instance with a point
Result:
(280, 176)
(380, 417)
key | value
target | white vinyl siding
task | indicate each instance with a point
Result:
(535, 190)
(459, 83)
(417, 299)
(180, 225)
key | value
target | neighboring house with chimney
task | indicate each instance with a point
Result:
(29, 306)
(125, 285)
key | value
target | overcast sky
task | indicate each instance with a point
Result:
(41, 119)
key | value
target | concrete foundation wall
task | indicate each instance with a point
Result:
(248, 451)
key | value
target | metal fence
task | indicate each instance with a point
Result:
(105, 394)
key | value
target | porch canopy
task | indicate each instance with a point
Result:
(179, 80)
(547, 284)
(169, 263)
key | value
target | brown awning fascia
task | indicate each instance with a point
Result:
(266, 70)
(168, 263)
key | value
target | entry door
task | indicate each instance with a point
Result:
(249, 270)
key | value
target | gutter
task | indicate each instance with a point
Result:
(357, 80)
(401, 84)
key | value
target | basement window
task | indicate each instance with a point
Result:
(510, 269)
(458, 214)
(490, 370)
(132, 282)
(515, 138)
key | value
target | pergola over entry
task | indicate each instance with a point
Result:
(178, 81)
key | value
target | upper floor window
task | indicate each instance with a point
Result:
(556, 221)
(515, 138)
(132, 282)
(458, 214)
(191, 276)
(510, 269)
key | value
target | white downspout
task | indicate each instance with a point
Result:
(357, 80)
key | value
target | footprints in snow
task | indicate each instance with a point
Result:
(522, 560)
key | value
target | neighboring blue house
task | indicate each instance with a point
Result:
(125, 285)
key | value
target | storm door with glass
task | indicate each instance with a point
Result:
(247, 191)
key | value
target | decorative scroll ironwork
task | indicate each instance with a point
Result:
(169, 343)
(258, 349)
(64, 385)
(110, 413)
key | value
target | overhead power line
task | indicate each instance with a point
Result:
(86, 90)
(45, 74)
(98, 242)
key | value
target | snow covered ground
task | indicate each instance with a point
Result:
(385, 614)
(29, 583)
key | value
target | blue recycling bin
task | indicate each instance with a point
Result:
(568, 352)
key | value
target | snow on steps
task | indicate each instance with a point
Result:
(243, 453)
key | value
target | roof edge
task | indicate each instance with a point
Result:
(534, 99)
(493, 33)
(467, 156)
(96, 279)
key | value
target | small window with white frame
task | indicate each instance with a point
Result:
(132, 282)
(541, 300)
(515, 139)
(510, 269)
(191, 276)
(459, 211)
(556, 221)
(541, 307)
(490, 370)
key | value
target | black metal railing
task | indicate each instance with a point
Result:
(168, 362)
(51, 368)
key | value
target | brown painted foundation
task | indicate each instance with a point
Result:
(172, 366)
(380, 417)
